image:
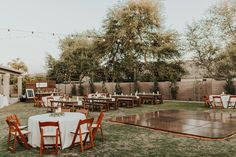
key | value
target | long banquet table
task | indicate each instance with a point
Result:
(67, 123)
(129, 99)
(150, 96)
(3, 101)
(46, 102)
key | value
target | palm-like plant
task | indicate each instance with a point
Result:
(18, 65)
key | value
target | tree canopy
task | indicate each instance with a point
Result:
(213, 40)
(77, 60)
(132, 40)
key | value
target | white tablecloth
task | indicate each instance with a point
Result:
(68, 122)
(224, 98)
(3, 101)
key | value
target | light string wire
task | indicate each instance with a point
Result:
(59, 35)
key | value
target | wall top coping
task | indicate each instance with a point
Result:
(4, 70)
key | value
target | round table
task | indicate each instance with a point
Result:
(224, 98)
(67, 123)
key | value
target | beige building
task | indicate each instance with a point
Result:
(5, 74)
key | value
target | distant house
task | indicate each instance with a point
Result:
(43, 75)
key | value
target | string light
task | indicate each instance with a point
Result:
(32, 32)
(49, 33)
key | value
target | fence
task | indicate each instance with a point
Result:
(192, 90)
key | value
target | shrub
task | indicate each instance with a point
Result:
(174, 90)
(118, 89)
(155, 87)
(229, 86)
(136, 87)
(73, 90)
(81, 89)
(104, 88)
(91, 87)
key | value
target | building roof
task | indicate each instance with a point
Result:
(4, 70)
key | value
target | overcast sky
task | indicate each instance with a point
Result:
(66, 17)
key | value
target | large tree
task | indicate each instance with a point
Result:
(77, 60)
(211, 38)
(227, 62)
(133, 34)
(132, 37)
(223, 15)
(203, 43)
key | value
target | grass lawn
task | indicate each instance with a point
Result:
(126, 140)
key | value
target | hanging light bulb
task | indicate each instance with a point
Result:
(103, 40)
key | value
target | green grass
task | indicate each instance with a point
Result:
(126, 140)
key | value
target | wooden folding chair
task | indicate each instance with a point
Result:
(84, 111)
(232, 101)
(49, 106)
(44, 134)
(18, 134)
(84, 128)
(217, 102)
(14, 117)
(98, 125)
(38, 102)
(207, 101)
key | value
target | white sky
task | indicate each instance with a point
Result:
(66, 17)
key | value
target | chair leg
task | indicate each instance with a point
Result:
(57, 144)
(41, 151)
(91, 138)
(41, 147)
(14, 144)
(9, 138)
(81, 143)
(101, 132)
